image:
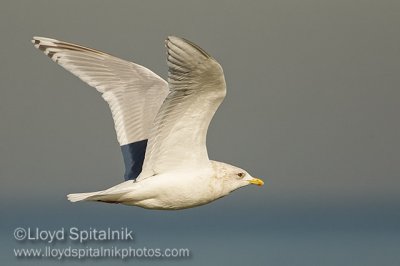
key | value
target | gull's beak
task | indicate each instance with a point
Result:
(256, 181)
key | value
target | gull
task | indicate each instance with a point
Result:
(161, 126)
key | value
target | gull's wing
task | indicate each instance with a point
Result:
(197, 85)
(133, 92)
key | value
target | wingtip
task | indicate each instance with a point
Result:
(184, 44)
(39, 38)
(169, 39)
(35, 40)
(175, 39)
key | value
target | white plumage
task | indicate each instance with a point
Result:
(173, 116)
(133, 92)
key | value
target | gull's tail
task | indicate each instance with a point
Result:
(103, 196)
(80, 196)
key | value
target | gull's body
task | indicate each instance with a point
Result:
(160, 126)
(200, 186)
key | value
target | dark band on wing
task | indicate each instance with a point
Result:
(133, 154)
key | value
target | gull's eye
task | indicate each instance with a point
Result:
(241, 175)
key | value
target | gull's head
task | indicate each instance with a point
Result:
(233, 177)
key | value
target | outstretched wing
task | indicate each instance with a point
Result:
(197, 85)
(133, 92)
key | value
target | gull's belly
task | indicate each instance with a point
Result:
(176, 193)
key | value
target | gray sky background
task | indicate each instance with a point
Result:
(312, 107)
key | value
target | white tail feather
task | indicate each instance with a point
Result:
(80, 196)
(104, 196)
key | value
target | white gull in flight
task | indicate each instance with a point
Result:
(161, 126)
